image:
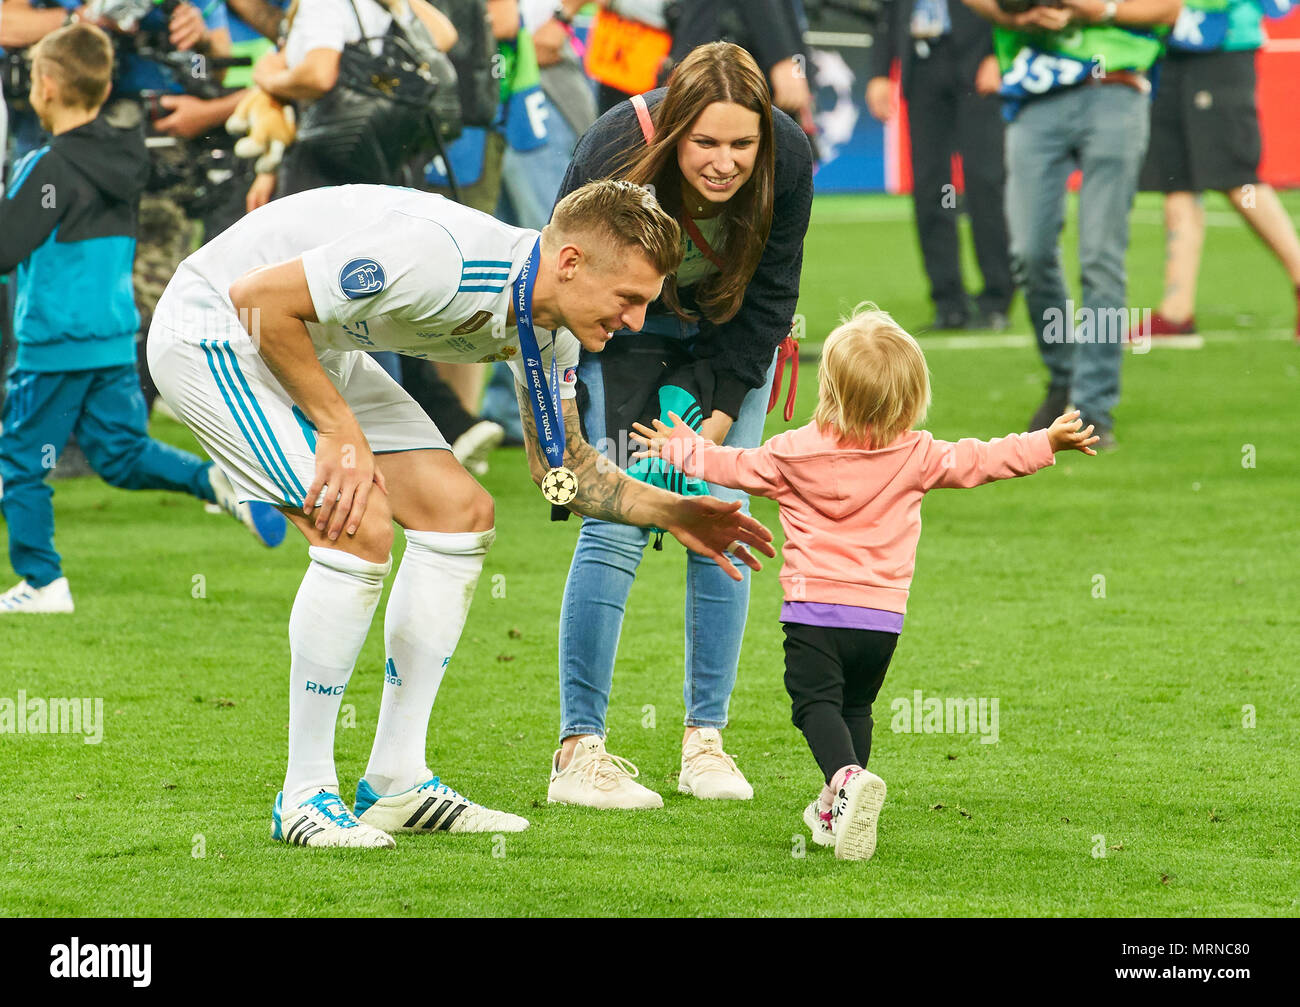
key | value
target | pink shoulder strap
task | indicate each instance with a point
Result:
(643, 116)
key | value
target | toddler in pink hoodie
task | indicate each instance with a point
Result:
(850, 485)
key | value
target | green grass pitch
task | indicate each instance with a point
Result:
(1124, 720)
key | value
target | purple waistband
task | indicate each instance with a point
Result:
(817, 613)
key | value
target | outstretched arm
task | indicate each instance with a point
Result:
(753, 470)
(703, 524)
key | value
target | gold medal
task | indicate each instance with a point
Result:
(560, 486)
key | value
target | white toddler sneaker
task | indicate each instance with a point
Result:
(855, 814)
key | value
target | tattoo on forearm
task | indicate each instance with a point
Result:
(604, 492)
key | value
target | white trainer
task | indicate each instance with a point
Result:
(431, 807)
(475, 444)
(709, 772)
(324, 820)
(819, 823)
(595, 779)
(855, 814)
(55, 596)
(266, 523)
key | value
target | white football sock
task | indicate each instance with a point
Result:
(331, 616)
(426, 612)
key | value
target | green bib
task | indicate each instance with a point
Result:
(1116, 48)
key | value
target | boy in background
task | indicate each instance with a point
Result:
(68, 223)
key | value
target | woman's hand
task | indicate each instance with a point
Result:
(345, 472)
(1065, 434)
(716, 427)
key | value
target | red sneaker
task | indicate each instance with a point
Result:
(1162, 326)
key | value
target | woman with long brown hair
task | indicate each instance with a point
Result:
(737, 175)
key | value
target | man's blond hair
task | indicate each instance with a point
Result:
(873, 385)
(622, 213)
(79, 58)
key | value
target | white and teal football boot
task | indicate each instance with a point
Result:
(431, 807)
(324, 820)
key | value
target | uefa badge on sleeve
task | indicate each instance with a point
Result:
(560, 486)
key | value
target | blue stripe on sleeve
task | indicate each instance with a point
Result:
(24, 168)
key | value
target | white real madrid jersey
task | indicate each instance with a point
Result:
(391, 268)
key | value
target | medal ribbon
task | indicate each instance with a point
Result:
(544, 397)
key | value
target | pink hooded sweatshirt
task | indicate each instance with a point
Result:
(852, 516)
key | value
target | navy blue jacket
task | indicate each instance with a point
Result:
(740, 350)
(68, 222)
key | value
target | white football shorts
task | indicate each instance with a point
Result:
(206, 368)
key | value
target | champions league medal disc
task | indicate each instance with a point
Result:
(560, 486)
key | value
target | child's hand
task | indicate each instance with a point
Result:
(656, 440)
(1065, 434)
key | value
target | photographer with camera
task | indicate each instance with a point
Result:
(1076, 95)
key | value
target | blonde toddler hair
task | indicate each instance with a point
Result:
(873, 385)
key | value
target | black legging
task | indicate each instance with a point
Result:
(833, 676)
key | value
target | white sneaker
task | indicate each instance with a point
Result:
(475, 444)
(265, 522)
(431, 807)
(595, 779)
(22, 597)
(324, 820)
(819, 823)
(709, 772)
(855, 813)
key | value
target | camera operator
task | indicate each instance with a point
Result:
(1076, 94)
